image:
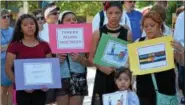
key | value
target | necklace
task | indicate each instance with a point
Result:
(33, 44)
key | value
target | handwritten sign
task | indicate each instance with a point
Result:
(37, 73)
(70, 38)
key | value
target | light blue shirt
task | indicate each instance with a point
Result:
(179, 29)
(75, 67)
(6, 37)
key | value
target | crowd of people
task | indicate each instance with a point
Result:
(29, 39)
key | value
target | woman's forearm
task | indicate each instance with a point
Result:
(10, 74)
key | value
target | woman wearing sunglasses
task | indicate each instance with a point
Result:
(40, 18)
(6, 36)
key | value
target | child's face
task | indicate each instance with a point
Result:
(28, 27)
(123, 82)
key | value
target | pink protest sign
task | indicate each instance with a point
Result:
(70, 38)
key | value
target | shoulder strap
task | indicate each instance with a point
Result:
(68, 63)
(142, 38)
(101, 18)
(154, 82)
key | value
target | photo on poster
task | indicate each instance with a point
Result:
(153, 56)
(117, 98)
(115, 53)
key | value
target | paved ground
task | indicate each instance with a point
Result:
(90, 80)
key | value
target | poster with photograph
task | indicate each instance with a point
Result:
(111, 52)
(151, 56)
(117, 98)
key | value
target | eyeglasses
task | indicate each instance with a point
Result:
(5, 17)
(132, 1)
(39, 18)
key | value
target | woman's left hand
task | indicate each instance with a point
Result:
(177, 46)
(76, 57)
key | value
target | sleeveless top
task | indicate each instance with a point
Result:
(122, 32)
(105, 83)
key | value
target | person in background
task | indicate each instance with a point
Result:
(38, 14)
(51, 14)
(101, 19)
(135, 19)
(6, 36)
(26, 45)
(163, 3)
(179, 38)
(179, 10)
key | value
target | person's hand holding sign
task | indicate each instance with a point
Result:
(76, 57)
(62, 57)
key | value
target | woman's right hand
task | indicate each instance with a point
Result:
(28, 91)
(62, 57)
(106, 70)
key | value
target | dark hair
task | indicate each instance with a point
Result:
(109, 4)
(179, 10)
(121, 70)
(17, 34)
(63, 16)
(160, 10)
(38, 11)
(155, 17)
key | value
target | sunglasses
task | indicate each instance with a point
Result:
(39, 18)
(5, 17)
(132, 1)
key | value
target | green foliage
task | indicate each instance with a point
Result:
(87, 8)
(170, 10)
(83, 8)
(142, 4)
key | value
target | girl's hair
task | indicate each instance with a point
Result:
(125, 71)
(155, 17)
(18, 34)
(109, 4)
(63, 14)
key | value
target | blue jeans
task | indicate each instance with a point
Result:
(181, 78)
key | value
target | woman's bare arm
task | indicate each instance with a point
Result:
(9, 65)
